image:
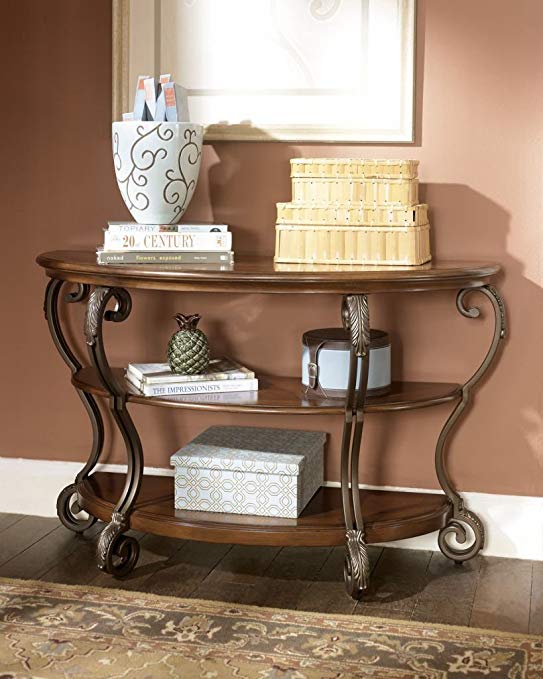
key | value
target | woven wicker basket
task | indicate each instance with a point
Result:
(366, 191)
(354, 168)
(394, 245)
(346, 214)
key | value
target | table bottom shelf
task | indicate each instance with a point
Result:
(388, 515)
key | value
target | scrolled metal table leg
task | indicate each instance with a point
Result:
(355, 315)
(68, 509)
(117, 554)
(462, 518)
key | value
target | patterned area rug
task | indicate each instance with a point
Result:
(52, 630)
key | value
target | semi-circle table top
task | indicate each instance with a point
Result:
(259, 274)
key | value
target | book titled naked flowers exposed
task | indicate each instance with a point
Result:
(120, 257)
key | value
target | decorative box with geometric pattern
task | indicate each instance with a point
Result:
(249, 470)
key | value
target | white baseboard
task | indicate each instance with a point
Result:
(514, 523)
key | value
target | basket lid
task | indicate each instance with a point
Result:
(338, 338)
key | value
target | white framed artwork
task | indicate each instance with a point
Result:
(287, 70)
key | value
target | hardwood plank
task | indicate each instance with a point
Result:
(7, 520)
(502, 599)
(288, 576)
(327, 593)
(298, 563)
(46, 552)
(154, 555)
(238, 576)
(229, 591)
(79, 567)
(536, 604)
(243, 564)
(186, 569)
(397, 582)
(449, 591)
(24, 533)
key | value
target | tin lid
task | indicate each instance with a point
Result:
(338, 338)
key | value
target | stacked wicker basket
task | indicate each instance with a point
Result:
(353, 211)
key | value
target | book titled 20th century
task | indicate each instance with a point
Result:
(121, 257)
(121, 242)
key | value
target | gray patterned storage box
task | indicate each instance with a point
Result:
(249, 470)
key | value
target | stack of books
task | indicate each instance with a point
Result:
(132, 243)
(223, 375)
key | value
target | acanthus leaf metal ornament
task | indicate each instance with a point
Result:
(460, 516)
(357, 564)
(117, 553)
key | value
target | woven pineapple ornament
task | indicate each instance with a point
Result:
(188, 348)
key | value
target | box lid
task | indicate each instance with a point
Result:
(256, 449)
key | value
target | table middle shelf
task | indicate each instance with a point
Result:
(280, 395)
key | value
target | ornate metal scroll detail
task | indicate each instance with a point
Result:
(456, 527)
(96, 310)
(357, 564)
(461, 517)
(355, 315)
(117, 554)
(68, 509)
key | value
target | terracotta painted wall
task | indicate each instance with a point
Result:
(479, 140)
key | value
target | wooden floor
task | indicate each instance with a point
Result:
(505, 594)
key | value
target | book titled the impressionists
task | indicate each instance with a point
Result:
(187, 388)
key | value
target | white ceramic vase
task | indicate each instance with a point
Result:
(157, 166)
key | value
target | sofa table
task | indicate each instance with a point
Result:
(334, 516)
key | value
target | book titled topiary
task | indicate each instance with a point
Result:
(188, 349)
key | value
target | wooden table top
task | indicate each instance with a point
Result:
(252, 273)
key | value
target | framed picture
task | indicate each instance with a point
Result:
(287, 70)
